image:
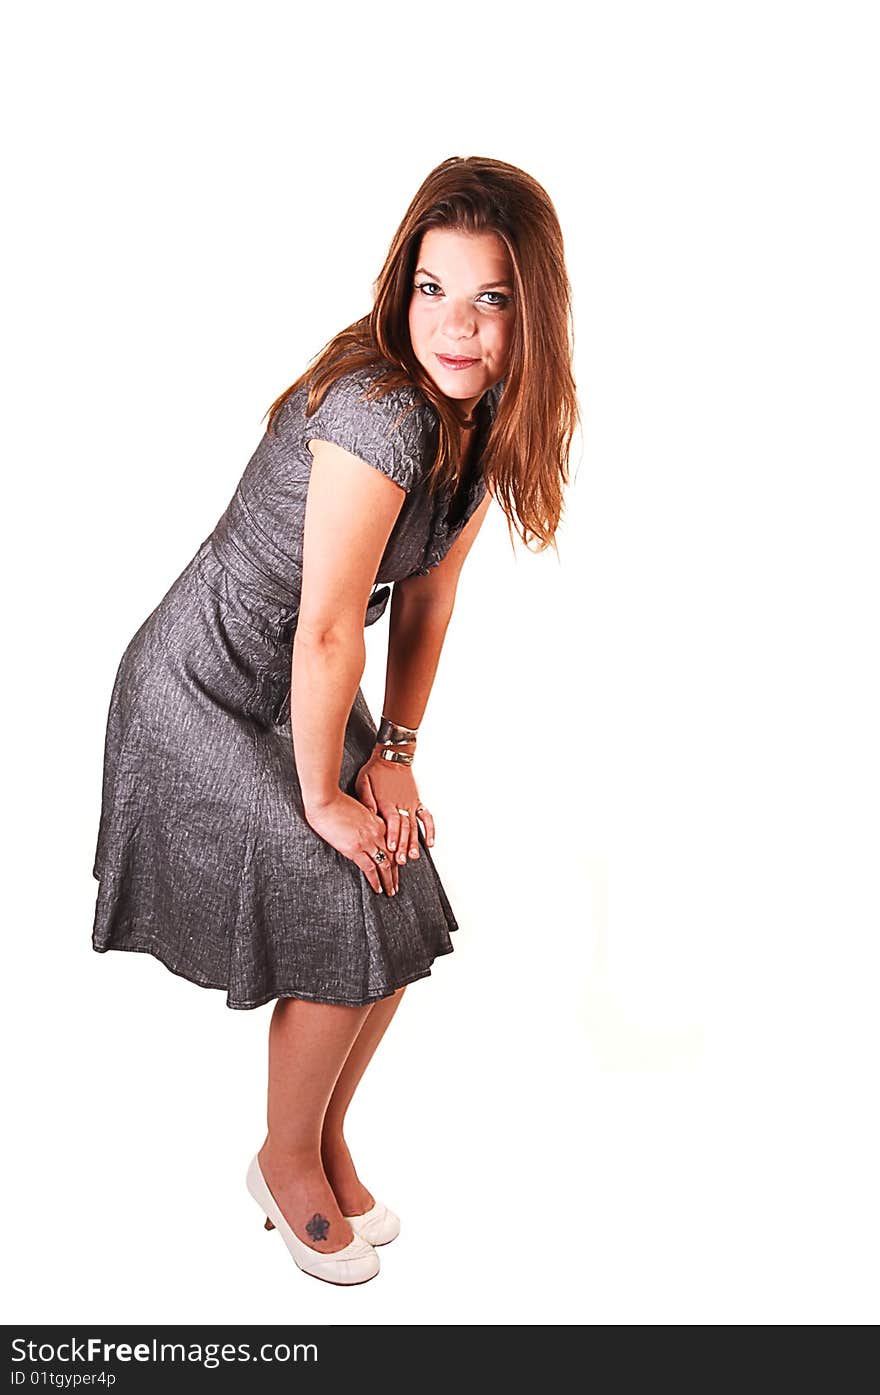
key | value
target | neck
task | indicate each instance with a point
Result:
(467, 443)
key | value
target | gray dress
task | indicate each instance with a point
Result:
(204, 856)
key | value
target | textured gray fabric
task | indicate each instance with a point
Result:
(204, 857)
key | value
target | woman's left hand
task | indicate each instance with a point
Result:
(388, 788)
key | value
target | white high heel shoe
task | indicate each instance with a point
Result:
(354, 1264)
(377, 1226)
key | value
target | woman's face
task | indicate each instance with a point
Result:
(462, 308)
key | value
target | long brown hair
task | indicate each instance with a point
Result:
(525, 461)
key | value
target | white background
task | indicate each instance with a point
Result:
(643, 1089)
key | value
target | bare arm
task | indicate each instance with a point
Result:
(421, 610)
(351, 508)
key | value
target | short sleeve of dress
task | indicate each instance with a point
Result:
(387, 432)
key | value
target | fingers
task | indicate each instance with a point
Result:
(391, 837)
(400, 823)
(404, 821)
(369, 869)
(386, 868)
(397, 835)
(413, 829)
(403, 831)
(364, 791)
(395, 872)
(428, 821)
(392, 823)
(380, 875)
(409, 835)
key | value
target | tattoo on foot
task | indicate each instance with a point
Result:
(318, 1227)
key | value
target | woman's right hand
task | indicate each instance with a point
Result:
(356, 832)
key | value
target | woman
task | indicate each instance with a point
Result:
(258, 834)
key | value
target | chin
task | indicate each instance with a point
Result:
(458, 385)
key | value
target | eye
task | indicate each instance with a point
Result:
(427, 288)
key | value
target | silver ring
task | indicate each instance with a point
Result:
(404, 813)
(380, 856)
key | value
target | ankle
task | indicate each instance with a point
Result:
(334, 1147)
(286, 1158)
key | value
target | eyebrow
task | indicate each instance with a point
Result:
(490, 285)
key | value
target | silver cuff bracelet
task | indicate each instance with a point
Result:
(393, 734)
(399, 757)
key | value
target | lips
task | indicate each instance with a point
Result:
(457, 359)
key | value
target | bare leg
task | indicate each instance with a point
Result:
(351, 1194)
(308, 1047)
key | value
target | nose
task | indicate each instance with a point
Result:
(458, 322)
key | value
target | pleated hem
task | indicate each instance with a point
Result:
(192, 976)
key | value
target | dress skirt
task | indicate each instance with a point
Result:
(204, 856)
